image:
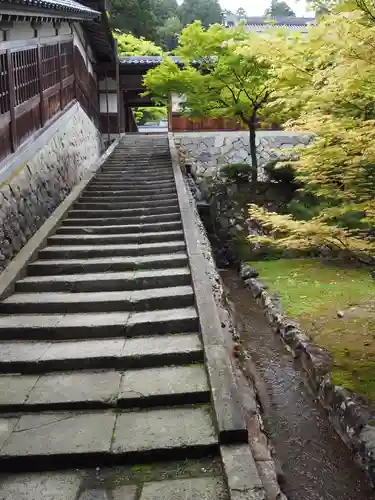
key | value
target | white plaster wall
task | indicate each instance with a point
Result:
(78, 38)
(47, 30)
(24, 31)
(112, 103)
(65, 29)
(111, 83)
(21, 31)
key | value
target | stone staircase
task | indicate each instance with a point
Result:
(101, 355)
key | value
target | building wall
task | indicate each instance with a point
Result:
(112, 103)
(44, 177)
(24, 31)
(86, 51)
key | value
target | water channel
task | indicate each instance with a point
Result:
(316, 463)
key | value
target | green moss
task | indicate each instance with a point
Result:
(312, 292)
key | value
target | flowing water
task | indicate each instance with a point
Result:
(316, 463)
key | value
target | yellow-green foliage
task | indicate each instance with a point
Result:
(325, 84)
(130, 45)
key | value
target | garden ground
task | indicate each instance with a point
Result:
(336, 307)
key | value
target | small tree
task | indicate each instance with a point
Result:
(215, 79)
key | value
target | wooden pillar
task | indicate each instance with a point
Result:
(107, 105)
(170, 127)
(12, 102)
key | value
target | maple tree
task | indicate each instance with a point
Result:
(324, 83)
(215, 79)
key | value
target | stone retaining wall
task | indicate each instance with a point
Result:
(349, 418)
(38, 185)
(207, 152)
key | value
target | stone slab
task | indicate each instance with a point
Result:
(242, 473)
(157, 346)
(74, 325)
(127, 492)
(163, 430)
(81, 281)
(166, 321)
(6, 428)
(37, 357)
(22, 351)
(138, 219)
(85, 388)
(204, 488)
(83, 302)
(44, 486)
(65, 435)
(228, 410)
(15, 388)
(181, 383)
(88, 251)
(94, 495)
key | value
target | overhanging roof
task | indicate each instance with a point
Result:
(54, 9)
(265, 22)
(143, 62)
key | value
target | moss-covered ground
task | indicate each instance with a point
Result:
(336, 307)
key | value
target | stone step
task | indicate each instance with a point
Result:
(142, 170)
(104, 198)
(68, 302)
(121, 221)
(97, 239)
(132, 191)
(162, 270)
(74, 439)
(126, 229)
(127, 482)
(120, 205)
(171, 207)
(87, 251)
(134, 177)
(95, 390)
(131, 188)
(91, 325)
(29, 357)
(128, 182)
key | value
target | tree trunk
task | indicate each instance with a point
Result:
(253, 151)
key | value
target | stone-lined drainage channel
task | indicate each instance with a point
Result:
(315, 462)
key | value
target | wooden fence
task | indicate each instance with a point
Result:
(38, 79)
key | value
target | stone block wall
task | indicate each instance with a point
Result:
(207, 152)
(37, 186)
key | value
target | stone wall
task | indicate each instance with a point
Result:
(207, 152)
(44, 178)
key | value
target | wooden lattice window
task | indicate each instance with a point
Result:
(50, 65)
(66, 52)
(25, 67)
(4, 86)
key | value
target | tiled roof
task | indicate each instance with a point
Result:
(144, 60)
(286, 22)
(59, 6)
(261, 24)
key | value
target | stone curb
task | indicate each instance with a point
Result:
(344, 413)
(244, 478)
(17, 267)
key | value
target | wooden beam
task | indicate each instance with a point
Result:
(42, 111)
(33, 42)
(12, 102)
